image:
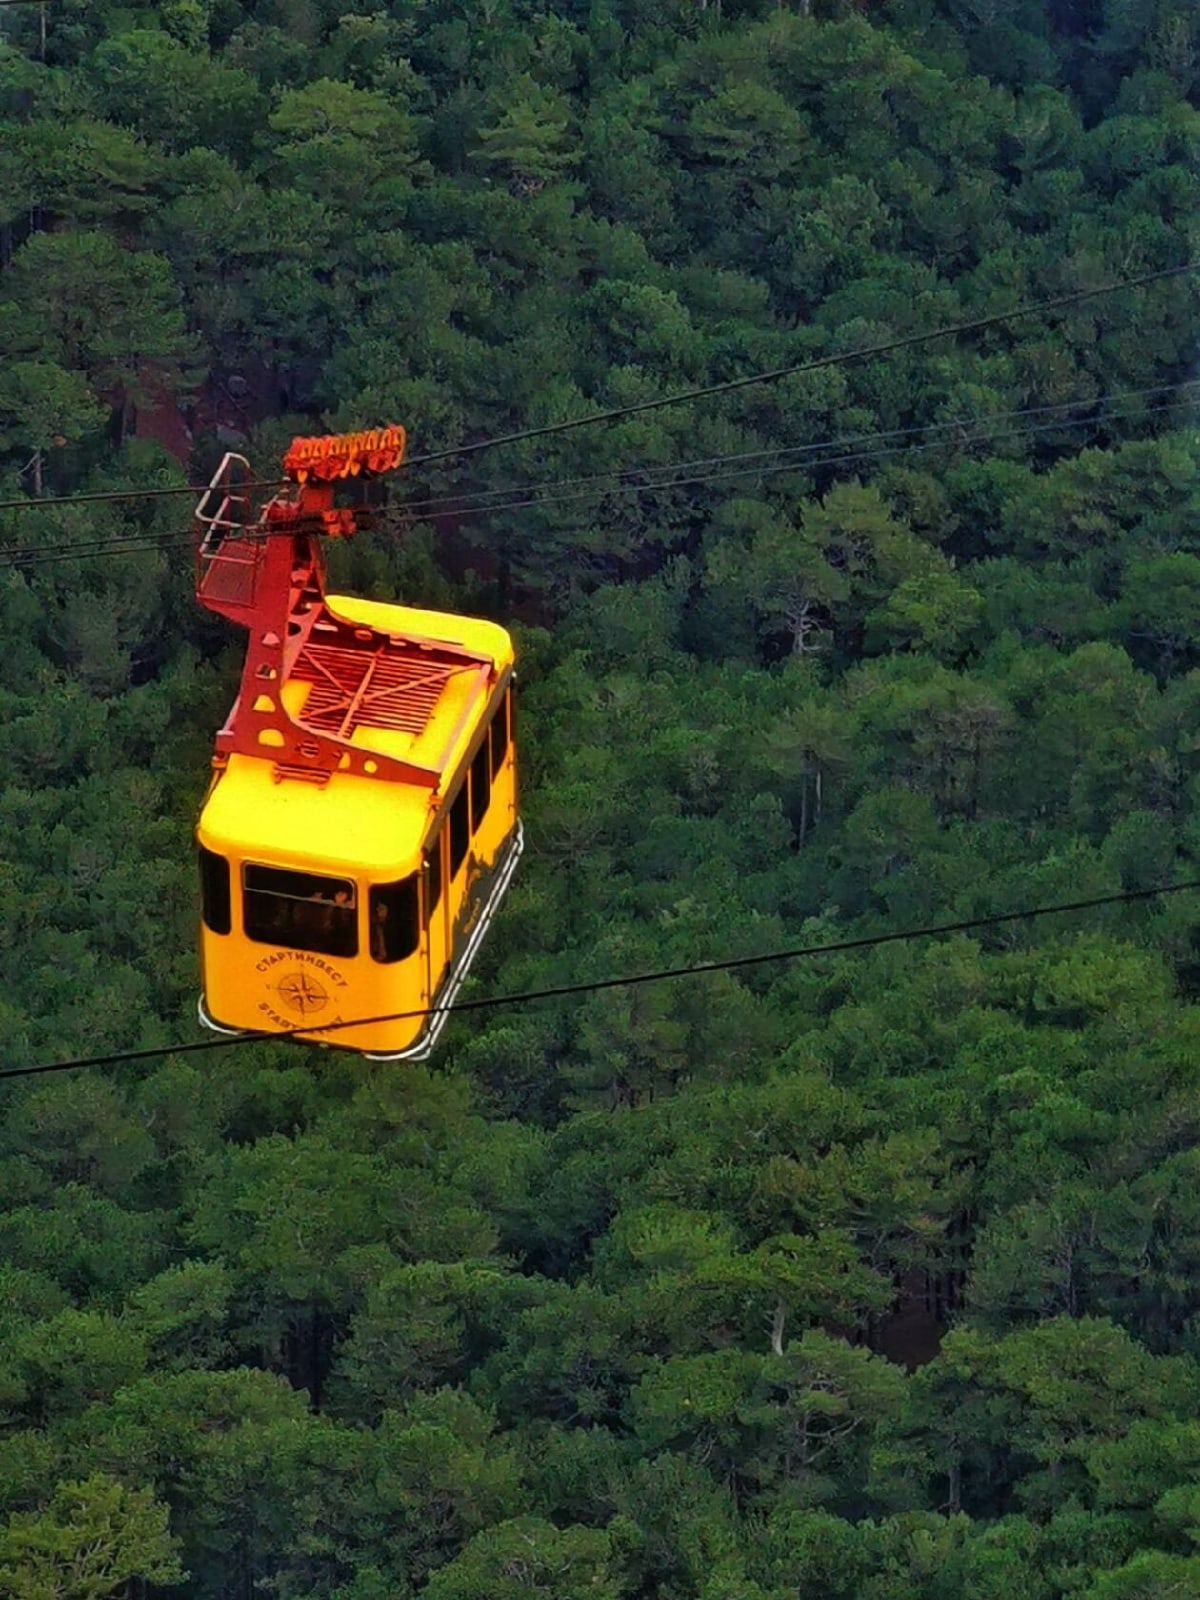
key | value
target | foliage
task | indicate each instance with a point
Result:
(872, 1275)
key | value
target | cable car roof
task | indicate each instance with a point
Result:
(416, 706)
(417, 703)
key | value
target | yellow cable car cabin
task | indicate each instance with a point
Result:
(361, 827)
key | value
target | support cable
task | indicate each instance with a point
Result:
(630, 980)
(683, 396)
(632, 478)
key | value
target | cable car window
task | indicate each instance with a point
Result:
(499, 737)
(395, 919)
(460, 831)
(433, 862)
(481, 786)
(214, 892)
(300, 909)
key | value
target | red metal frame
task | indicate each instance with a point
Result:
(260, 563)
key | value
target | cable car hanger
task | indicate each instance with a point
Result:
(263, 567)
(361, 828)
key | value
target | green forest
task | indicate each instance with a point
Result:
(870, 1276)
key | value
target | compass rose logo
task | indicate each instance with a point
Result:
(301, 993)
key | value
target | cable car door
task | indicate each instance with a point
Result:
(437, 912)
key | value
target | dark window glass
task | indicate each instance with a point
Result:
(214, 892)
(300, 909)
(499, 737)
(460, 831)
(395, 919)
(481, 786)
(434, 888)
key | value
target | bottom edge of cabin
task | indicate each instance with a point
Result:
(207, 1020)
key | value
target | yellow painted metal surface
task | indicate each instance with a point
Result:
(366, 830)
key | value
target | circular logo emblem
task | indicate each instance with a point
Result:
(301, 993)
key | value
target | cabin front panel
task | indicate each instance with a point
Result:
(307, 952)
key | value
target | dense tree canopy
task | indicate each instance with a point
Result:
(872, 1276)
